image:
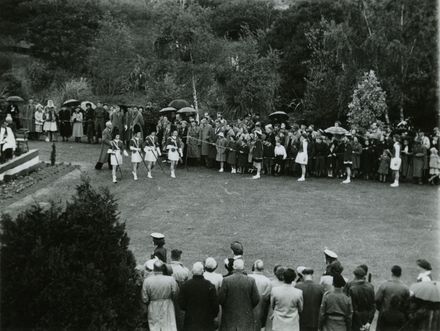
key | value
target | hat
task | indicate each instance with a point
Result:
(211, 263)
(157, 235)
(50, 104)
(359, 272)
(330, 254)
(422, 263)
(300, 270)
(237, 248)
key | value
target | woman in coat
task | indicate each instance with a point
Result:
(406, 155)
(193, 142)
(221, 150)
(231, 155)
(286, 302)
(420, 160)
(356, 156)
(77, 122)
(64, 123)
(205, 130)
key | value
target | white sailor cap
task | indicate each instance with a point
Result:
(330, 253)
(157, 235)
(300, 270)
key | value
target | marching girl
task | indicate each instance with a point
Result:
(302, 156)
(396, 161)
(136, 157)
(115, 151)
(152, 151)
(174, 148)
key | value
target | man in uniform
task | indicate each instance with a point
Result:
(105, 145)
(160, 251)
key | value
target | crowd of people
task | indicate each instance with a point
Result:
(242, 146)
(204, 299)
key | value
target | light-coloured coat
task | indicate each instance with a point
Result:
(286, 302)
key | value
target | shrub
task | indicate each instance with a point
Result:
(68, 269)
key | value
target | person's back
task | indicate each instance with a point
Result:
(264, 287)
(238, 296)
(312, 298)
(198, 298)
(393, 287)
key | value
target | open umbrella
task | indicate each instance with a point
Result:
(167, 110)
(279, 115)
(84, 103)
(15, 98)
(187, 110)
(179, 104)
(336, 130)
(71, 103)
(427, 291)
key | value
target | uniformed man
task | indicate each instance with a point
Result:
(106, 144)
(159, 251)
(331, 260)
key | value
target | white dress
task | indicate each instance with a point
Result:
(135, 151)
(115, 153)
(151, 153)
(302, 157)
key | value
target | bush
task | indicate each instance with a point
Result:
(68, 269)
(78, 88)
(40, 75)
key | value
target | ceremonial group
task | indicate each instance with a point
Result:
(204, 299)
(250, 145)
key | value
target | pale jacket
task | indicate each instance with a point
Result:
(287, 302)
(7, 138)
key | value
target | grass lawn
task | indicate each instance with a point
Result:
(276, 218)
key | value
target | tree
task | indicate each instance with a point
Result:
(112, 57)
(68, 269)
(60, 31)
(369, 102)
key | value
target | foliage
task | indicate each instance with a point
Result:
(77, 88)
(68, 269)
(40, 75)
(369, 102)
(60, 31)
(112, 57)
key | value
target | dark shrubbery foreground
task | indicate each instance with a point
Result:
(68, 269)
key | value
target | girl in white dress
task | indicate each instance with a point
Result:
(115, 151)
(152, 151)
(136, 157)
(396, 161)
(174, 148)
(302, 157)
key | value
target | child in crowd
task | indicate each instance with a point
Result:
(384, 164)
(280, 156)
(221, 150)
(434, 166)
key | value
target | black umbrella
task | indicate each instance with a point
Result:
(279, 115)
(179, 103)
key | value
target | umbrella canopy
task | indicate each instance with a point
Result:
(15, 98)
(427, 291)
(187, 110)
(71, 103)
(84, 103)
(167, 110)
(179, 104)
(279, 114)
(336, 130)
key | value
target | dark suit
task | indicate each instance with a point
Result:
(198, 298)
(312, 296)
(238, 297)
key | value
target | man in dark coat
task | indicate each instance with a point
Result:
(238, 297)
(312, 296)
(393, 287)
(362, 298)
(101, 117)
(106, 144)
(198, 298)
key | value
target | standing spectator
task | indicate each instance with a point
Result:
(356, 156)
(105, 145)
(64, 117)
(287, 303)
(264, 287)
(362, 297)
(198, 298)
(221, 150)
(280, 156)
(180, 273)
(160, 251)
(50, 121)
(392, 319)
(434, 166)
(205, 129)
(77, 122)
(39, 120)
(424, 140)
(393, 287)
(406, 155)
(238, 297)
(368, 159)
(424, 270)
(158, 293)
(7, 140)
(100, 119)
(384, 166)
(193, 148)
(257, 154)
(396, 161)
(117, 119)
(348, 157)
(336, 310)
(13, 110)
(27, 121)
(312, 298)
(231, 149)
(89, 119)
(420, 160)
(215, 278)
